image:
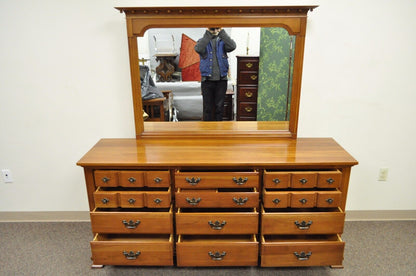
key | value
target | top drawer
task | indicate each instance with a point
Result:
(203, 180)
(113, 178)
(302, 179)
(248, 64)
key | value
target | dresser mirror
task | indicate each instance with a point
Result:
(290, 18)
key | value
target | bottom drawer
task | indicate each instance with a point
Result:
(217, 251)
(113, 249)
(319, 250)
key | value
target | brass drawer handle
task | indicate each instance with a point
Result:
(193, 181)
(303, 200)
(330, 181)
(217, 256)
(132, 179)
(157, 180)
(157, 200)
(249, 65)
(105, 179)
(276, 181)
(248, 109)
(276, 201)
(193, 201)
(131, 224)
(302, 256)
(240, 201)
(253, 77)
(303, 225)
(105, 200)
(131, 200)
(249, 94)
(240, 181)
(303, 180)
(131, 255)
(217, 225)
(330, 200)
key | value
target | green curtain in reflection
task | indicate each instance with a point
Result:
(275, 74)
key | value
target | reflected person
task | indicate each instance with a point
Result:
(212, 49)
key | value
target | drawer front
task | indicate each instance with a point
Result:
(157, 178)
(293, 223)
(113, 178)
(302, 252)
(276, 180)
(217, 253)
(106, 178)
(203, 180)
(247, 109)
(132, 251)
(303, 180)
(217, 223)
(131, 179)
(248, 77)
(214, 199)
(330, 179)
(247, 94)
(301, 199)
(248, 64)
(132, 222)
(132, 199)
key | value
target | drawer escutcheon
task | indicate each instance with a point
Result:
(105, 200)
(131, 255)
(303, 225)
(193, 201)
(131, 224)
(240, 201)
(217, 256)
(217, 225)
(240, 181)
(193, 181)
(302, 256)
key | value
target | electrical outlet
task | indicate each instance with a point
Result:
(7, 175)
(382, 174)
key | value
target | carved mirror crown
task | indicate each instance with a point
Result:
(292, 18)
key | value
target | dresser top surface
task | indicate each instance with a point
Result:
(216, 152)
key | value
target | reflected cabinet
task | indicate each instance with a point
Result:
(211, 194)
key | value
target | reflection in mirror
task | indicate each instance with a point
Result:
(174, 66)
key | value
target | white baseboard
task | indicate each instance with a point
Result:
(57, 216)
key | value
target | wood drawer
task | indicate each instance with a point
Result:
(216, 221)
(309, 221)
(157, 221)
(313, 250)
(217, 198)
(109, 249)
(247, 94)
(132, 199)
(301, 199)
(302, 179)
(248, 64)
(247, 109)
(114, 178)
(203, 180)
(248, 77)
(217, 250)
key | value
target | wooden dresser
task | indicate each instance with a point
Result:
(247, 87)
(191, 202)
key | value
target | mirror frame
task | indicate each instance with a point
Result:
(140, 19)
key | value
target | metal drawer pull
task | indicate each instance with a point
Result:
(302, 256)
(303, 225)
(105, 200)
(217, 225)
(330, 181)
(249, 94)
(131, 224)
(276, 181)
(303, 200)
(193, 181)
(157, 179)
(249, 65)
(131, 255)
(105, 179)
(157, 200)
(240, 181)
(248, 109)
(253, 77)
(240, 201)
(131, 200)
(217, 256)
(276, 201)
(193, 201)
(132, 179)
(330, 200)
(303, 180)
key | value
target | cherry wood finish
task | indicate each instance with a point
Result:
(247, 87)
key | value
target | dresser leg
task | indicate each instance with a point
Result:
(337, 266)
(97, 266)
